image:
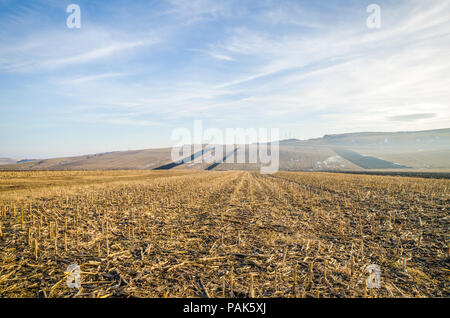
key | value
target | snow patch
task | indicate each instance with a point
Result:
(331, 162)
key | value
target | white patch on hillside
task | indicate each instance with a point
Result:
(331, 163)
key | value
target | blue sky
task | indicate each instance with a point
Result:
(136, 70)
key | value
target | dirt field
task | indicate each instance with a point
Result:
(216, 234)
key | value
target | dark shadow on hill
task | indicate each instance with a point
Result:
(367, 162)
(183, 161)
(211, 167)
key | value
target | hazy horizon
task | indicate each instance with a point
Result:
(169, 146)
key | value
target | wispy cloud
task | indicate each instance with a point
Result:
(412, 117)
(89, 78)
(124, 121)
(351, 70)
(92, 54)
(16, 61)
(199, 10)
(213, 54)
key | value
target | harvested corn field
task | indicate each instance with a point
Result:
(222, 234)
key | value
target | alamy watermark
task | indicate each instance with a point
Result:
(374, 19)
(74, 19)
(74, 276)
(231, 145)
(374, 278)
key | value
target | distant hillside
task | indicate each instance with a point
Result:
(420, 149)
(429, 140)
(417, 150)
(137, 159)
(7, 161)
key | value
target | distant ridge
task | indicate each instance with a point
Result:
(427, 150)
(289, 140)
(7, 161)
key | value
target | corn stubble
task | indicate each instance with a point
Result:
(227, 234)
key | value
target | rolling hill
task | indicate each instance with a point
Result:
(136, 159)
(416, 150)
(7, 161)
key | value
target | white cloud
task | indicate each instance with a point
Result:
(213, 54)
(121, 119)
(56, 48)
(92, 54)
(86, 79)
(352, 73)
(194, 11)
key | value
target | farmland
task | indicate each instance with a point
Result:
(192, 233)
